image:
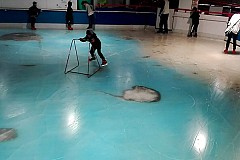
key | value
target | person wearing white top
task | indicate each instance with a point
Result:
(90, 14)
(231, 31)
(164, 13)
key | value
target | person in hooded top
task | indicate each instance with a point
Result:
(33, 13)
(95, 45)
(69, 16)
(90, 14)
(232, 31)
(164, 13)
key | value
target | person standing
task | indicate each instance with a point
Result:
(195, 22)
(164, 13)
(90, 14)
(69, 16)
(231, 31)
(33, 13)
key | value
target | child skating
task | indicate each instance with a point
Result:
(96, 45)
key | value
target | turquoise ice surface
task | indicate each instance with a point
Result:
(61, 116)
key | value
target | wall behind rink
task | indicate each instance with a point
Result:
(20, 17)
(211, 26)
(14, 14)
(44, 4)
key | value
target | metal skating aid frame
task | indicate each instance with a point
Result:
(88, 74)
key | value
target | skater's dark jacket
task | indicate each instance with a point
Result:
(69, 14)
(33, 11)
(92, 38)
(195, 17)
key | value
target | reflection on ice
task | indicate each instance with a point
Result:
(73, 123)
(200, 142)
(218, 87)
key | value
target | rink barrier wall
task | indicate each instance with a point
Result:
(211, 26)
(80, 17)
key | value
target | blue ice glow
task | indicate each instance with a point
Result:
(73, 123)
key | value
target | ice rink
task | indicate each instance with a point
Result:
(46, 114)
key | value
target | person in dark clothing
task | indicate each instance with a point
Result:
(164, 13)
(195, 21)
(96, 45)
(33, 13)
(90, 14)
(69, 16)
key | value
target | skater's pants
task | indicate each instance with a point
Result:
(234, 36)
(91, 20)
(194, 28)
(33, 21)
(97, 46)
(69, 21)
(163, 23)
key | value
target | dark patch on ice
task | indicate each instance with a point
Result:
(145, 56)
(158, 52)
(28, 65)
(158, 65)
(7, 134)
(25, 36)
(140, 94)
(195, 73)
(236, 87)
(127, 38)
